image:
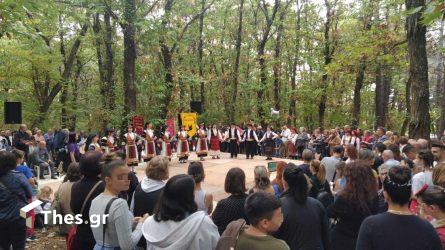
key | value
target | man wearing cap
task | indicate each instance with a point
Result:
(251, 139)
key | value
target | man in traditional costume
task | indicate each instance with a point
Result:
(183, 146)
(201, 145)
(233, 136)
(150, 138)
(269, 142)
(215, 138)
(251, 140)
(131, 147)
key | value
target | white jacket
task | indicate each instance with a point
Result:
(195, 232)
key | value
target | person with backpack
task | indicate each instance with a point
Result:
(305, 224)
(264, 213)
(116, 231)
(15, 191)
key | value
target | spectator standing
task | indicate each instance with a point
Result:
(305, 224)
(203, 200)
(232, 207)
(15, 192)
(401, 229)
(116, 231)
(90, 185)
(356, 201)
(264, 213)
(62, 197)
(177, 223)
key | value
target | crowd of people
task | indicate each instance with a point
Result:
(352, 190)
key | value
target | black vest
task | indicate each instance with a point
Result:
(230, 134)
(144, 203)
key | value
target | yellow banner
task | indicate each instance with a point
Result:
(190, 121)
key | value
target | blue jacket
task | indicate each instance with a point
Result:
(15, 196)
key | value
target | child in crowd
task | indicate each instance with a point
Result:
(45, 197)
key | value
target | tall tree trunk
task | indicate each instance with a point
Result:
(261, 55)
(237, 60)
(129, 59)
(357, 101)
(200, 54)
(263, 79)
(408, 107)
(75, 94)
(419, 126)
(382, 92)
(277, 55)
(293, 101)
(327, 60)
(109, 63)
(440, 86)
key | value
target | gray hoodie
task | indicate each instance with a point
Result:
(195, 232)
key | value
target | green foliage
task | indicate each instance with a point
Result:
(24, 56)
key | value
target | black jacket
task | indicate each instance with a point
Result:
(305, 226)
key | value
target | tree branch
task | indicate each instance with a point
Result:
(181, 35)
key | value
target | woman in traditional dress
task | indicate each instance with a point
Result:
(201, 146)
(214, 138)
(166, 144)
(130, 147)
(150, 147)
(291, 149)
(183, 146)
(269, 143)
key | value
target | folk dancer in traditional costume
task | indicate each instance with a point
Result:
(215, 138)
(183, 146)
(166, 144)
(251, 140)
(201, 146)
(131, 147)
(284, 135)
(150, 146)
(269, 143)
(233, 136)
(291, 149)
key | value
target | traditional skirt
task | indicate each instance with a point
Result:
(166, 149)
(183, 148)
(201, 147)
(214, 146)
(150, 150)
(269, 147)
(132, 154)
(291, 149)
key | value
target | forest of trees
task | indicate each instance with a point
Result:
(92, 64)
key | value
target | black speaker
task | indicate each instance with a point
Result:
(196, 107)
(13, 112)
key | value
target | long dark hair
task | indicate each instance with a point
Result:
(360, 187)
(177, 200)
(297, 182)
(89, 141)
(72, 138)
